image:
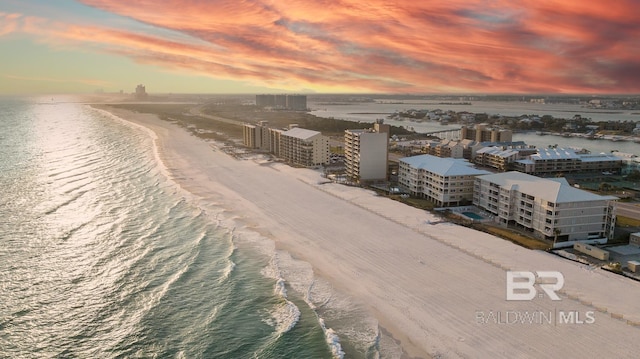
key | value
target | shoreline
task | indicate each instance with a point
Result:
(414, 277)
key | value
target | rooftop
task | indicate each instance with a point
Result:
(498, 151)
(301, 133)
(500, 144)
(443, 166)
(556, 190)
(555, 154)
(599, 157)
(359, 131)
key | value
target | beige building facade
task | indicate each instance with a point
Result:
(366, 154)
(304, 147)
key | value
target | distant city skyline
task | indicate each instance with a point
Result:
(347, 46)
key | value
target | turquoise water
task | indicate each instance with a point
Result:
(473, 215)
(101, 256)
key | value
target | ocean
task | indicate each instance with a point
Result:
(103, 256)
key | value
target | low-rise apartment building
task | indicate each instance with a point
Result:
(444, 181)
(449, 148)
(500, 158)
(550, 208)
(551, 161)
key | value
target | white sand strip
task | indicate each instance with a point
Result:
(425, 283)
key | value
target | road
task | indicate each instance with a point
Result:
(631, 210)
(197, 111)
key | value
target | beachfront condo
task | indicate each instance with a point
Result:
(445, 181)
(549, 208)
(366, 153)
(304, 147)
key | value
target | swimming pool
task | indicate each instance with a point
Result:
(473, 215)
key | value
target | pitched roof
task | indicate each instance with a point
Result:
(443, 166)
(554, 153)
(556, 190)
(599, 157)
(498, 151)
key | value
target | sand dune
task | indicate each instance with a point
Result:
(425, 283)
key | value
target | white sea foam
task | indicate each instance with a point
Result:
(332, 340)
(226, 272)
(285, 315)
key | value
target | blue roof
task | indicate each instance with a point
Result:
(556, 190)
(443, 166)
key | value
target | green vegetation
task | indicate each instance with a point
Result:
(282, 119)
(224, 129)
(415, 202)
(200, 126)
(615, 267)
(627, 222)
(339, 150)
(517, 238)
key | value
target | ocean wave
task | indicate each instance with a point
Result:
(68, 201)
(283, 317)
(280, 288)
(77, 187)
(226, 271)
(286, 314)
(160, 292)
(85, 170)
(332, 340)
(71, 231)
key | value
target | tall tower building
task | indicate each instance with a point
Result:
(366, 152)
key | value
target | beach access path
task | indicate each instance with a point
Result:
(425, 283)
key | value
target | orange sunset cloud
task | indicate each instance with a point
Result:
(377, 46)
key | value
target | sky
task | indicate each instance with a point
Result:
(321, 46)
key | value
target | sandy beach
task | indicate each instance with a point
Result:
(429, 284)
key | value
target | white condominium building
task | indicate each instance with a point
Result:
(444, 181)
(304, 147)
(550, 208)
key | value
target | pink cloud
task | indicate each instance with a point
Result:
(9, 23)
(381, 46)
